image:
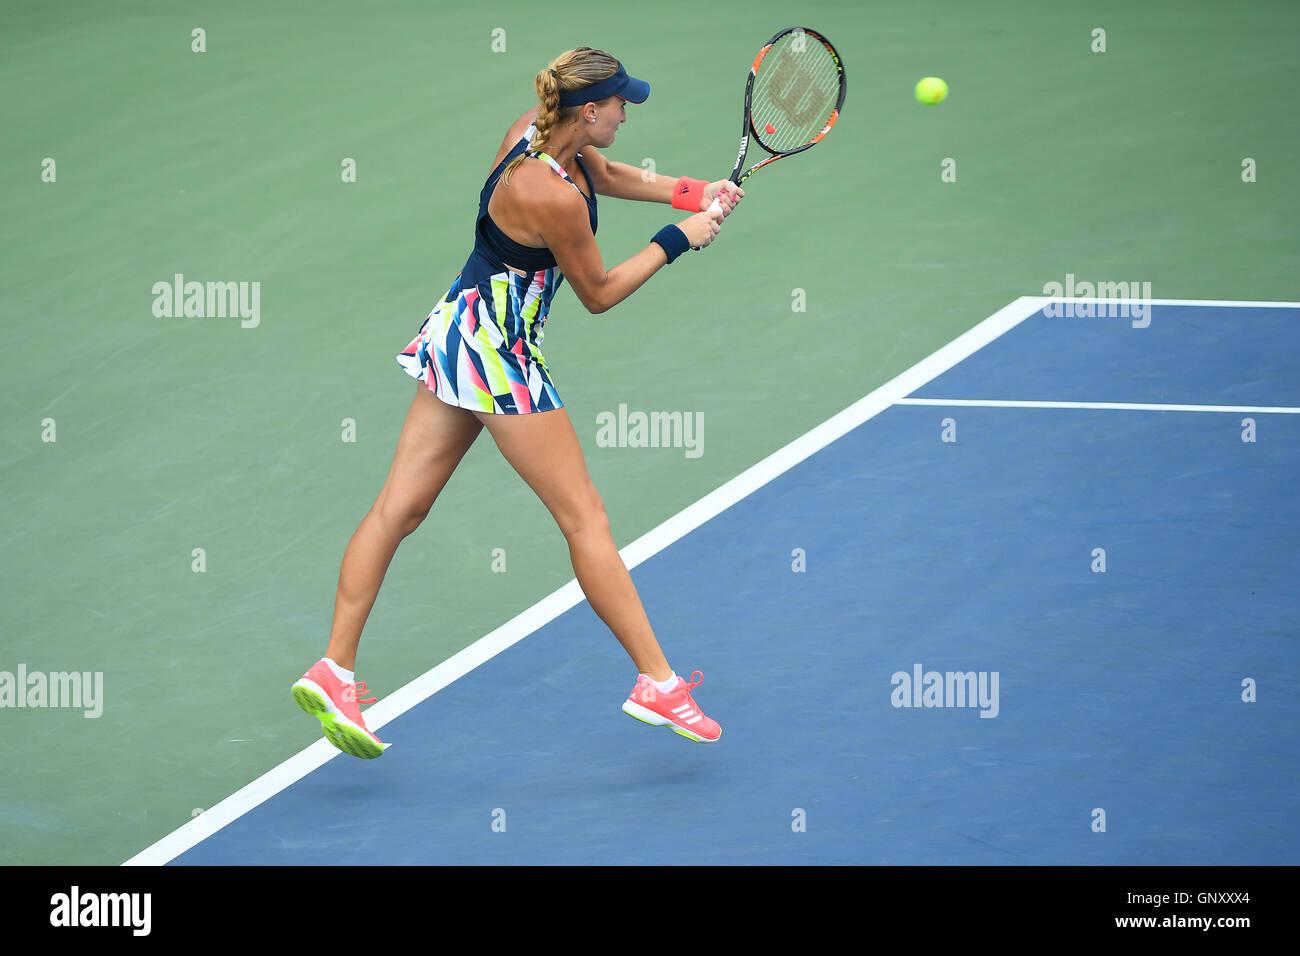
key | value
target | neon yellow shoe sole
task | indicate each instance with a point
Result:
(338, 730)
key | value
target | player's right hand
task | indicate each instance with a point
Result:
(702, 228)
(727, 193)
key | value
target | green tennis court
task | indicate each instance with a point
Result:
(179, 489)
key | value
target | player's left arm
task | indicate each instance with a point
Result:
(621, 181)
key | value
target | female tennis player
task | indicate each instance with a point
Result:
(478, 362)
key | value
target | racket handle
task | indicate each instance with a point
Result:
(715, 206)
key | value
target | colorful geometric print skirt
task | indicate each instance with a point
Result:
(483, 355)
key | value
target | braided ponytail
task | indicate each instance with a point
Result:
(571, 70)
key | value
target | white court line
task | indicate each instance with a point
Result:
(566, 597)
(1128, 406)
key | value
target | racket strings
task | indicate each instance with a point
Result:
(795, 92)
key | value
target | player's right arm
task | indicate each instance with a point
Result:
(562, 221)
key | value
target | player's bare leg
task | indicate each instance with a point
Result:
(543, 448)
(434, 438)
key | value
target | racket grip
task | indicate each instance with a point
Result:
(715, 206)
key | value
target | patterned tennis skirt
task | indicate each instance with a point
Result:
(480, 348)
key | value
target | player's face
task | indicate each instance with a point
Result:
(610, 115)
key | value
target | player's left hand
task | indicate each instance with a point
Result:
(724, 189)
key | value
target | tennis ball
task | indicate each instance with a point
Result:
(931, 90)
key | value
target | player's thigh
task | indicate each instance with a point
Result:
(544, 449)
(434, 438)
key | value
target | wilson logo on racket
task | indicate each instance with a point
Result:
(788, 86)
(744, 145)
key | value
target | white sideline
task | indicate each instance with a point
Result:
(566, 597)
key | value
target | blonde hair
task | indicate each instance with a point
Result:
(571, 70)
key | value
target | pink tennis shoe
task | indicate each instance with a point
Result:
(335, 704)
(675, 709)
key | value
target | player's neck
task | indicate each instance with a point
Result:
(564, 145)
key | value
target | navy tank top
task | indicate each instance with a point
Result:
(493, 249)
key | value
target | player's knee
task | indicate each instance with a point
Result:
(586, 517)
(401, 516)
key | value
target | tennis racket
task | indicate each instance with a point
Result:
(793, 97)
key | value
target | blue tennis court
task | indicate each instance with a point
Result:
(1049, 586)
